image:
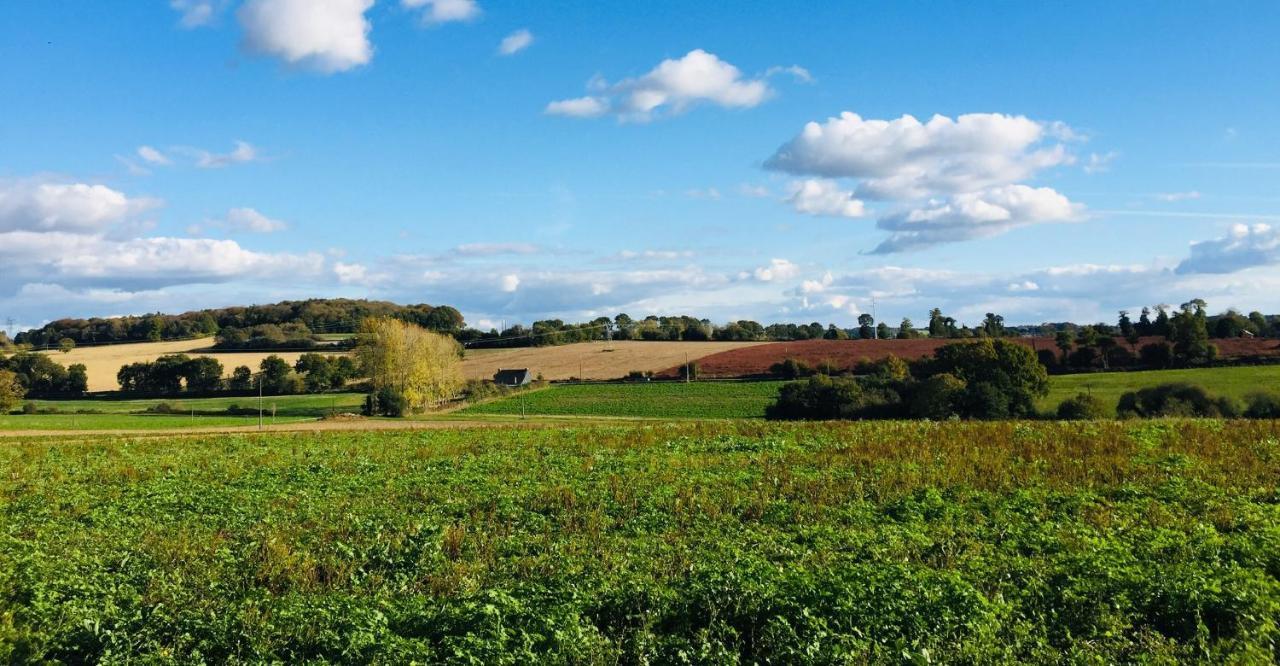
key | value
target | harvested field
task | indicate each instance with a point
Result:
(591, 360)
(847, 353)
(102, 363)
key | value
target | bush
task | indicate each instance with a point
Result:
(385, 402)
(166, 408)
(823, 397)
(937, 397)
(1083, 407)
(791, 368)
(1262, 406)
(1176, 399)
(637, 376)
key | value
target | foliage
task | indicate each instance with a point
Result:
(823, 397)
(1262, 405)
(1001, 377)
(1083, 407)
(791, 368)
(937, 397)
(41, 375)
(420, 366)
(11, 391)
(1176, 399)
(668, 400)
(696, 543)
(171, 374)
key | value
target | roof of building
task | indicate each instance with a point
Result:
(507, 376)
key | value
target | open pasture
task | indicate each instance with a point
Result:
(728, 542)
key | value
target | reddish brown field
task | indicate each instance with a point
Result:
(749, 361)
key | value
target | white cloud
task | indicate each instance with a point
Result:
(515, 42)
(494, 249)
(444, 11)
(821, 196)
(326, 35)
(248, 219)
(1099, 163)
(350, 273)
(1178, 196)
(152, 156)
(1244, 246)
(242, 153)
(709, 193)
(778, 269)
(35, 205)
(510, 282)
(974, 215)
(673, 87)
(196, 13)
(906, 159)
(578, 107)
(796, 71)
(657, 255)
(754, 191)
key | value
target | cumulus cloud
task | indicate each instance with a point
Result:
(515, 42)
(325, 35)
(1244, 246)
(778, 269)
(35, 205)
(248, 219)
(822, 196)
(673, 87)
(974, 215)
(907, 159)
(444, 11)
(510, 282)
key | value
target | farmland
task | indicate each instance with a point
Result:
(1236, 382)
(668, 400)
(208, 412)
(732, 541)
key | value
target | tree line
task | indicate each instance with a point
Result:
(176, 374)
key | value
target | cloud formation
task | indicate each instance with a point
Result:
(515, 42)
(972, 215)
(672, 87)
(325, 35)
(444, 11)
(1244, 246)
(822, 196)
(35, 205)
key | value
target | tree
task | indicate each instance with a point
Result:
(866, 326)
(1260, 325)
(907, 330)
(11, 391)
(1001, 377)
(993, 325)
(1064, 342)
(77, 379)
(1127, 329)
(937, 397)
(883, 331)
(277, 376)
(1189, 330)
(834, 332)
(66, 344)
(1145, 327)
(241, 379)
(418, 365)
(1161, 325)
(203, 374)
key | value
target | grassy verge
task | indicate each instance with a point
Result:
(728, 542)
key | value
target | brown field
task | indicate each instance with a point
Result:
(102, 363)
(590, 360)
(586, 359)
(846, 353)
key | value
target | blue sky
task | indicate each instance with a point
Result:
(649, 158)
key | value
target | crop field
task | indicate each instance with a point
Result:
(1236, 381)
(666, 400)
(723, 542)
(591, 360)
(208, 412)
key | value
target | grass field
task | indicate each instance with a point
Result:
(125, 414)
(1236, 381)
(666, 400)
(747, 542)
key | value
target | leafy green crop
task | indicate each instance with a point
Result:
(726, 542)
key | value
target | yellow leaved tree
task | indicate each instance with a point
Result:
(411, 368)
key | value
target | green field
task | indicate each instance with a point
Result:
(1236, 381)
(727, 542)
(666, 400)
(209, 412)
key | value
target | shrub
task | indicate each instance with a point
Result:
(634, 375)
(823, 397)
(1083, 407)
(1175, 399)
(791, 368)
(937, 397)
(1261, 405)
(166, 408)
(985, 400)
(385, 402)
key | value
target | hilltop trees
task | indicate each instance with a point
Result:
(409, 367)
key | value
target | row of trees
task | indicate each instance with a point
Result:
(179, 373)
(38, 374)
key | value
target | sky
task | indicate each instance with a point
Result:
(727, 160)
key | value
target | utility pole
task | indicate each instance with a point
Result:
(875, 330)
